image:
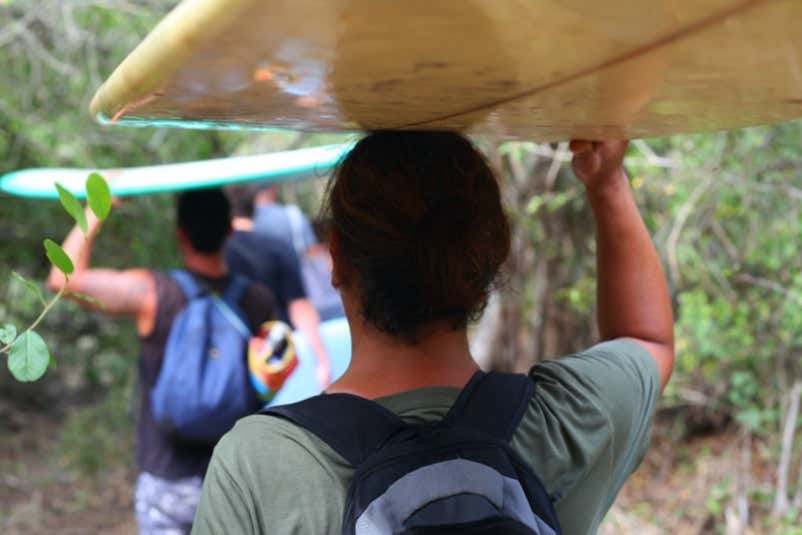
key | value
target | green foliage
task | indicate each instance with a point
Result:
(739, 257)
(98, 195)
(72, 206)
(89, 442)
(718, 497)
(28, 358)
(726, 217)
(58, 257)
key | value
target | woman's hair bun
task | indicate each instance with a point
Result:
(419, 221)
(444, 221)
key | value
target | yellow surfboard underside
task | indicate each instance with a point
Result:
(544, 70)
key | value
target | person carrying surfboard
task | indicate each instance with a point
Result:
(171, 467)
(419, 235)
(272, 262)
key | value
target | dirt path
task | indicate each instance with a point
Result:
(39, 495)
(669, 494)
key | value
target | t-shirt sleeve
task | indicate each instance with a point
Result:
(588, 423)
(224, 506)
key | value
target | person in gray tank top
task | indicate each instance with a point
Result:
(169, 471)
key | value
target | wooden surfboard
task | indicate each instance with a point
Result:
(545, 70)
(278, 166)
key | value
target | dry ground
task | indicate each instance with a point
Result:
(668, 494)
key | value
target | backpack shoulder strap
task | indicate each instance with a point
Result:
(228, 304)
(354, 427)
(236, 287)
(493, 403)
(189, 286)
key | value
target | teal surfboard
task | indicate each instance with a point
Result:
(274, 167)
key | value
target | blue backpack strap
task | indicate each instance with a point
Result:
(189, 286)
(354, 427)
(228, 304)
(493, 403)
(236, 287)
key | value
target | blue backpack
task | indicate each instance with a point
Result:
(459, 475)
(203, 388)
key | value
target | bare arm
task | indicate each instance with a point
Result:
(114, 292)
(632, 295)
(305, 318)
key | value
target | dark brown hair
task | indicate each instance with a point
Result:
(205, 217)
(241, 197)
(419, 224)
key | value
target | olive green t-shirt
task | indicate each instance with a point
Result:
(586, 429)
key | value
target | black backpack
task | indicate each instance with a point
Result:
(459, 475)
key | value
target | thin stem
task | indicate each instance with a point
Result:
(39, 319)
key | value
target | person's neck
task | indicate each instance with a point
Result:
(242, 223)
(382, 365)
(209, 265)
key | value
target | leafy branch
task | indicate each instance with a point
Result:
(28, 355)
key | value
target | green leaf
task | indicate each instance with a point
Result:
(7, 334)
(535, 203)
(58, 257)
(98, 195)
(32, 287)
(29, 357)
(750, 418)
(72, 206)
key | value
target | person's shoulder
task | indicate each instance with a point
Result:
(271, 448)
(236, 238)
(261, 242)
(165, 287)
(268, 472)
(611, 378)
(606, 363)
(592, 405)
(257, 428)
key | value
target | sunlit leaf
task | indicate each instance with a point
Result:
(58, 257)
(7, 334)
(28, 358)
(72, 206)
(32, 287)
(98, 195)
(535, 203)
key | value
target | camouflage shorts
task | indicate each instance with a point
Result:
(164, 506)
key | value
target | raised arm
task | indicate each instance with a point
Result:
(115, 292)
(632, 295)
